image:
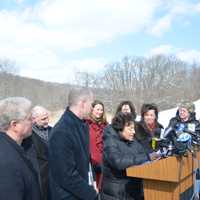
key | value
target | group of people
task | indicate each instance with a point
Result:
(82, 156)
(24, 133)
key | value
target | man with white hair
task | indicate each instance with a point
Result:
(18, 178)
(40, 116)
(40, 136)
(69, 157)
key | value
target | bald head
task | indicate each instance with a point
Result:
(78, 94)
(40, 116)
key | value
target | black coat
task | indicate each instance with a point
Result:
(117, 156)
(36, 149)
(69, 159)
(144, 136)
(176, 121)
(18, 178)
(41, 148)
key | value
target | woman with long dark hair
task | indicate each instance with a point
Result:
(126, 107)
(97, 122)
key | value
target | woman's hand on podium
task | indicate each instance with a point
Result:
(155, 155)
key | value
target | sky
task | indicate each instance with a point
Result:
(51, 40)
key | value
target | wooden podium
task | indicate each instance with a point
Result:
(170, 178)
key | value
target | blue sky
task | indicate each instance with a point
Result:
(52, 39)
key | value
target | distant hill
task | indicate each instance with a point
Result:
(54, 95)
(50, 95)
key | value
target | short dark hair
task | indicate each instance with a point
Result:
(121, 119)
(149, 106)
(130, 104)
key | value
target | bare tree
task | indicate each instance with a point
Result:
(160, 79)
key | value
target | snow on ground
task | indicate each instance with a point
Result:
(166, 115)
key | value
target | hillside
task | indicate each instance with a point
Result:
(50, 95)
(54, 95)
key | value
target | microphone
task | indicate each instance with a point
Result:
(167, 132)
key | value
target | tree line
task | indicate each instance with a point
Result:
(164, 80)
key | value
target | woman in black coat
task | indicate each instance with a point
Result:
(121, 150)
(148, 127)
(185, 119)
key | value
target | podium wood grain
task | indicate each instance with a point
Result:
(165, 179)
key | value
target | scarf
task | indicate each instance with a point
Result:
(41, 131)
(151, 127)
(97, 120)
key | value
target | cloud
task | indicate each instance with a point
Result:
(187, 55)
(198, 7)
(173, 12)
(40, 36)
(162, 49)
(19, 1)
(161, 26)
(62, 71)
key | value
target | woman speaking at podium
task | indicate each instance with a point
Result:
(121, 150)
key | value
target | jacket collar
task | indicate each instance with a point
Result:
(11, 141)
(68, 112)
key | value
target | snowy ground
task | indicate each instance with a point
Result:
(165, 116)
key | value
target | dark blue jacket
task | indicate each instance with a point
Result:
(18, 179)
(69, 159)
(176, 121)
(144, 136)
(36, 149)
(118, 155)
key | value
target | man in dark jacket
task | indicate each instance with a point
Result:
(36, 146)
(40, 135)
(18, 178)
(69, 159)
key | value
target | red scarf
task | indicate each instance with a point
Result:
(151, 127)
